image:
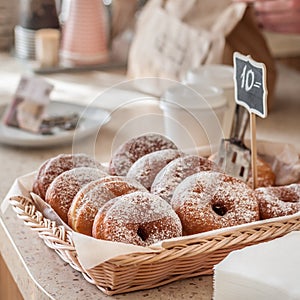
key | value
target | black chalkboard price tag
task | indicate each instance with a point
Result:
(250, 84)
(251, 92)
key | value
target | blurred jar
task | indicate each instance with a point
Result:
(47, 47)
(222, 77)
(193, 116)
(33, 16)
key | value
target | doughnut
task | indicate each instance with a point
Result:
(65, 186)
(146, 168)
(210, 200)
(92, 196)
(53, 167)
(278, 201)
(38, 187)
(138, 218)
(176, 171)
(133, 149)
(79, 198)
(265, 175)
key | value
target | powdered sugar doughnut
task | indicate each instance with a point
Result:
(145, 169)
(138, 218)
(135, 148)
(93, 195)
(211, 200)
(54, 166)
(176, 171)
(64, 187)
(265, 175)
(80, 199)
(278, 201)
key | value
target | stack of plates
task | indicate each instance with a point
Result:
(24, 42)
(7, 22)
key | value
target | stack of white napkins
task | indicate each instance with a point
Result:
(265, 271)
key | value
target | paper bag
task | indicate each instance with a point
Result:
(172, 37)
(169, 40)
(164, 46)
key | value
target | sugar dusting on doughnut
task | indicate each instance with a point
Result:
(176, 171)
(79, 198)
(210, 200)
(54, 166)
(278, 201)
(133, 149)
(145, 169)
(138, 218)
(94, 198)
(64, 187)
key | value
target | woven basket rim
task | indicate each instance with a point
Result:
(59, 239)
(170, 243)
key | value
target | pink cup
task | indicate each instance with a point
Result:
(84, 40)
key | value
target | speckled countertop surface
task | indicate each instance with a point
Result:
(40, 273)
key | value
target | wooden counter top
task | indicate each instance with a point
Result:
(38, 272)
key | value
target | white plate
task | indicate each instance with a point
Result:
(91, 119)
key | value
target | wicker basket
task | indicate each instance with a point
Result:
(177, 260)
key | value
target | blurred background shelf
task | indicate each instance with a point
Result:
(65, 69)
(285, 48)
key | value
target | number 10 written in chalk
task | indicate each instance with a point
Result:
(248, 78)
(250, 84)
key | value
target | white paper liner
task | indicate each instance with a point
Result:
(47, 210)
(92, 252)
(102, 250)
(21, 186)
(283, 158)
